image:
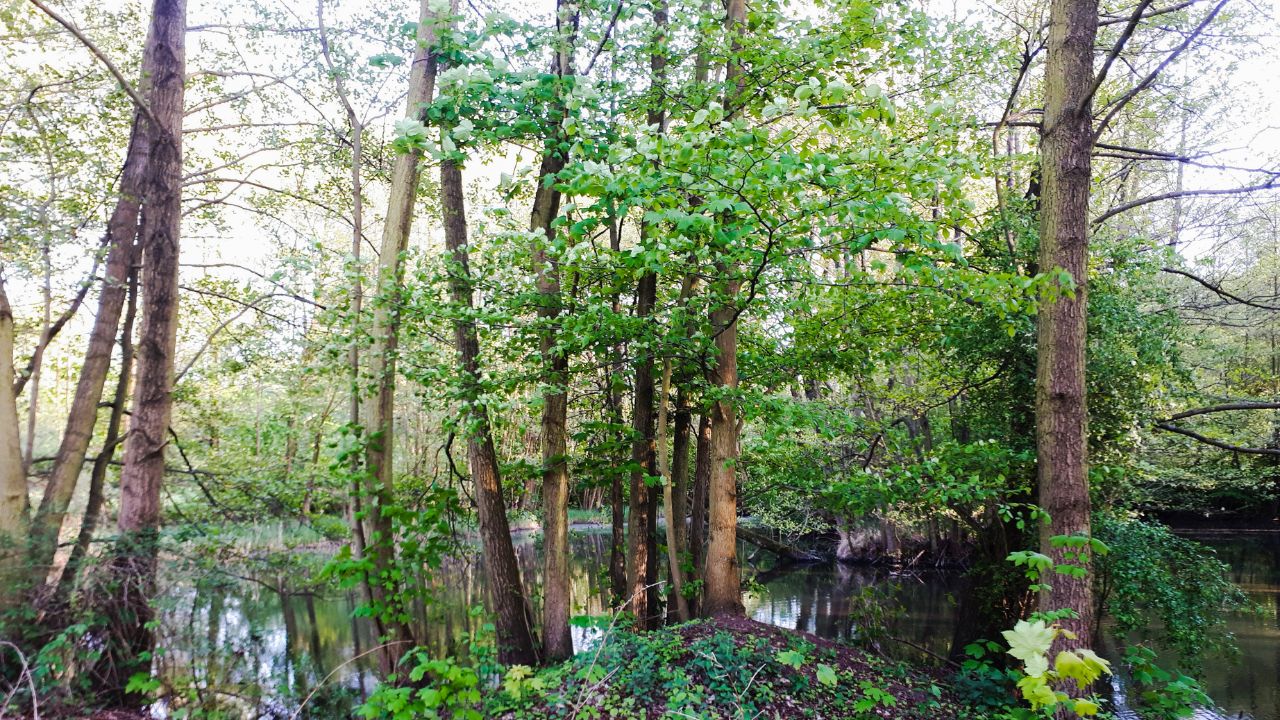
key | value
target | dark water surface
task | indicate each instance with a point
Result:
(261, 651)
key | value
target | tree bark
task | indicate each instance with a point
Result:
(129, 612)
(511, 610)
(14, 508)
(1061, 419)
(722, 574)
(122, 233)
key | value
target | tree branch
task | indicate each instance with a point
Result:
(102, 57)
(1216, 443)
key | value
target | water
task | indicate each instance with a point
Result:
(260, 651)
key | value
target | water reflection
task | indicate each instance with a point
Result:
(259, 647)
(1252, 685)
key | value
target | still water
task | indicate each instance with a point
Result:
(260, 647)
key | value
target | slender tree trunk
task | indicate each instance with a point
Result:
(1061, 420)
(122, 232)
(98, 475)
(641, 544)
(557, 640)
(613, 396)
(640, 541)
(722, 574)
(701, 487)
(129, 612)
(510, 608)
(379, 412)
(14, 508)
(668, 503)
(37, 362)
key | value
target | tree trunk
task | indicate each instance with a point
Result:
(14, 509)
(122, 232)
(1061, 420)
(379, 413)
(98, 476)
(511, 611)
(613, 396)
(723, 576)
(668, 503)
(641, 544)
(640, 541)
(701, 487)
(37, 358)
(681, 435)
(557, 640)
(129, 612)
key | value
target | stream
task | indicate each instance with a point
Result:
(225, 637)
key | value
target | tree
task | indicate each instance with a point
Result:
(1061, 417)
(121, 237)
(502, 574)
(380, 414)
(557, 640)
(721, 572)
(133, 566)
(14, 509)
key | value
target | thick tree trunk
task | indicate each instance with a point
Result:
(129, 613)
(14, 509)
(1061, 419)
(502, 573)
(98, 475)
(641, 544)
(122, 232)
(723, 576)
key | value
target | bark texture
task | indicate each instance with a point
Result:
(510, 609)
(1061, 414)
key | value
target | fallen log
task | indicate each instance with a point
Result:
(782, 550)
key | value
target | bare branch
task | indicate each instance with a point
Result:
(1124, 100)
(1216, 443)
(102, 57)
(1116, 49)
(1217, 290)
(1271, 184)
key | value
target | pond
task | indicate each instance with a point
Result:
(263, 651)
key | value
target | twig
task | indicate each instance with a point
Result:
(31, 684)
(295, 714)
